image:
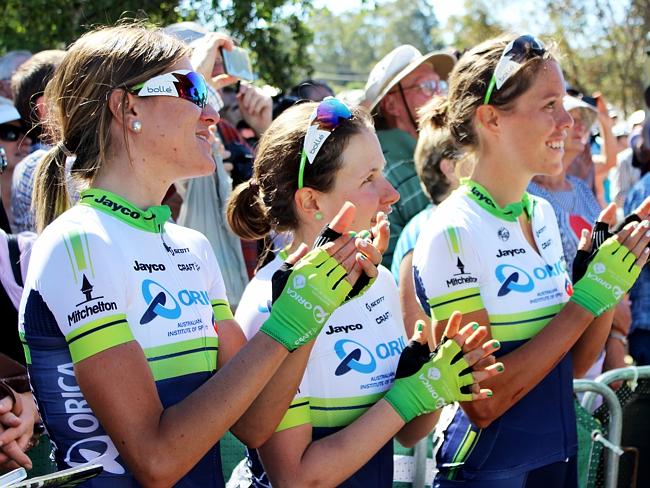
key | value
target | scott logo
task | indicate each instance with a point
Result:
(98, 449)
(299, 282)
(116, 207)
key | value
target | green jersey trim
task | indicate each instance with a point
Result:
(510, 213)
(181, 358)
(523, 325)
(28, 355)
(297, 414)
(97, 336)
(149, 220)
(221, 310)
(465, 301)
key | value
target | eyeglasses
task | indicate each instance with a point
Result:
(514, 55)
(185, 84)
(429, 87)
(328, 115)
(11, 133)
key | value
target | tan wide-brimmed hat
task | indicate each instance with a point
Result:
(398, 64)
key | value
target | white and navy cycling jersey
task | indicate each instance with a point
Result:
(350, 368)
(473, 255)
(105, 273)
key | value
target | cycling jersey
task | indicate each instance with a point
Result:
(351, 366)
(473, 255)
(103, 274)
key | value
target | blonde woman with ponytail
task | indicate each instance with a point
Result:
(134, 357)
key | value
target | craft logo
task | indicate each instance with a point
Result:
(89, 308)
(503, 234)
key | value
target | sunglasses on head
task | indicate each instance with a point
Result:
(515, 54)
(326, 117)
(11, 133)
(185, 84)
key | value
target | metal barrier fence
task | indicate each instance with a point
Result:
(611, 440)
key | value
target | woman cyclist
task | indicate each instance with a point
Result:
(125, 319)
(312, 158)
(494, 252)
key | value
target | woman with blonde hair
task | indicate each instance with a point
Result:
(134, 357)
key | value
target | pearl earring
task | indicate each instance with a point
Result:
(136, 125)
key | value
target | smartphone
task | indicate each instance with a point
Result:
(237, 63)
(13, 477)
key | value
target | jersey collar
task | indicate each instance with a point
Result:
(150, 220)
(482, 197)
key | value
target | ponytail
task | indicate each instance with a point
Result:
(50, 197)
(246, 212)
(434, 113)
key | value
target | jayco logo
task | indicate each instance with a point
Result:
(481, 197)
(510, 252)
(116, 207)
(299, 282)
(148, 267)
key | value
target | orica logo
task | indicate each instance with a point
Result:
(98, 449)
(516, 280)
(320, 315)
(433, 374)
(299, 282)
(162, 303)
(354, 356)
(599, 268)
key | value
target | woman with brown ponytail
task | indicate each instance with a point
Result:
(356, 393)
(134, 357)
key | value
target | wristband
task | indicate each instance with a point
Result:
(619, 337)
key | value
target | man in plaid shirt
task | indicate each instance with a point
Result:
(397, 87)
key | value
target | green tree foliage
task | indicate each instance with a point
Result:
(347, 46)
(603, 43)
(274, 32)
(46, 24)
(477, 24)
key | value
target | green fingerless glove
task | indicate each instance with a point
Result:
(436, 384)
(609, 276)
(313, 290)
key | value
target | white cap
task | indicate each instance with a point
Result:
(636, 118)
(398, 64)
(573, 103)
(8, 112)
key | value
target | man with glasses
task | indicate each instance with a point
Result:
(16, 145)
(397, 87)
